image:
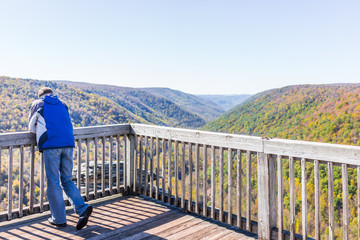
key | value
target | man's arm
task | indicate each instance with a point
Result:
(33, 114)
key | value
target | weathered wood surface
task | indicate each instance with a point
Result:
(122, 218)
(21, 183)
(103, 142)
(345, 199)
(230, 190)
(280, 198)
(331, 201)
(169, 169)
(157, 168)
(78, 182)
(129, 167)
(298, 149)
(27, 138)
(200, 137)
(163, 170)
(32, 178)
(347, 156)
(176, 173)
(317, 199)
(304, 198)
(221, 187)
(111, 164)
(190, 178)
(266, 169)
(197, 180)
(292, 198)
(42, 182)
(212, 182)
(248, 191)
(10, 195)
(205, 180)
(238, 189)
(183, 175)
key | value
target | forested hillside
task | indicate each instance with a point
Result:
(323, 113)
(91, 104)
(85, 109)
(153, 108)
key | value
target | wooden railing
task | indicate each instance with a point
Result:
(107, 145)
(231, 178)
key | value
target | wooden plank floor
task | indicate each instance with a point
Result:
(129, 218)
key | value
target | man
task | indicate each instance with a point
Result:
(49, 119)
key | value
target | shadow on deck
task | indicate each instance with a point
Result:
(124, 218)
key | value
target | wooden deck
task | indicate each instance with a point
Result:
(124, 218)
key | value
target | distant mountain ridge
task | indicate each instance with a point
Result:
(154, 107)
(227, 102)
(197, 105)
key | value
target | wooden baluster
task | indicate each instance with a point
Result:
(358, 197)
(78, 182)
(248, 191)
(197, 198)
(141, 165)
(42, 182)
(183, 176)
(230, 186)
(130, 144)
(32, 178)
(221, 189)
(238, 189)
(345, 198)
(266, 186)
(190, 178)
(125, 173)
(157, 168)
(10, 182)
(151, 166)
(111, 165)
(213, 182)
(135, 173)
(21, 180)
(331, 200)
(118, 156)
(95, 166)
(176, 173)
(280, 198)
(304, 198)
(205, 180)
(292, 198)
(163, 171)
(87, 169)
(146, 165)
(317, 199)
(169, 170)
(103, 168)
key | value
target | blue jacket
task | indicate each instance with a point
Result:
(49, 119)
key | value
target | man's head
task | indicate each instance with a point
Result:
(43, 91)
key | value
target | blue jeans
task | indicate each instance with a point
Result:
(58, 167)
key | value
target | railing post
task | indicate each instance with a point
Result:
(130, 160)
(266, 195)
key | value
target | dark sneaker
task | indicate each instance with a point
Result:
(51, 221)
(83, 219)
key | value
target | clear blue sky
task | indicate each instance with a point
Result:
(201, 46)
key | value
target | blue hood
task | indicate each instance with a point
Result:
(52, 99)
